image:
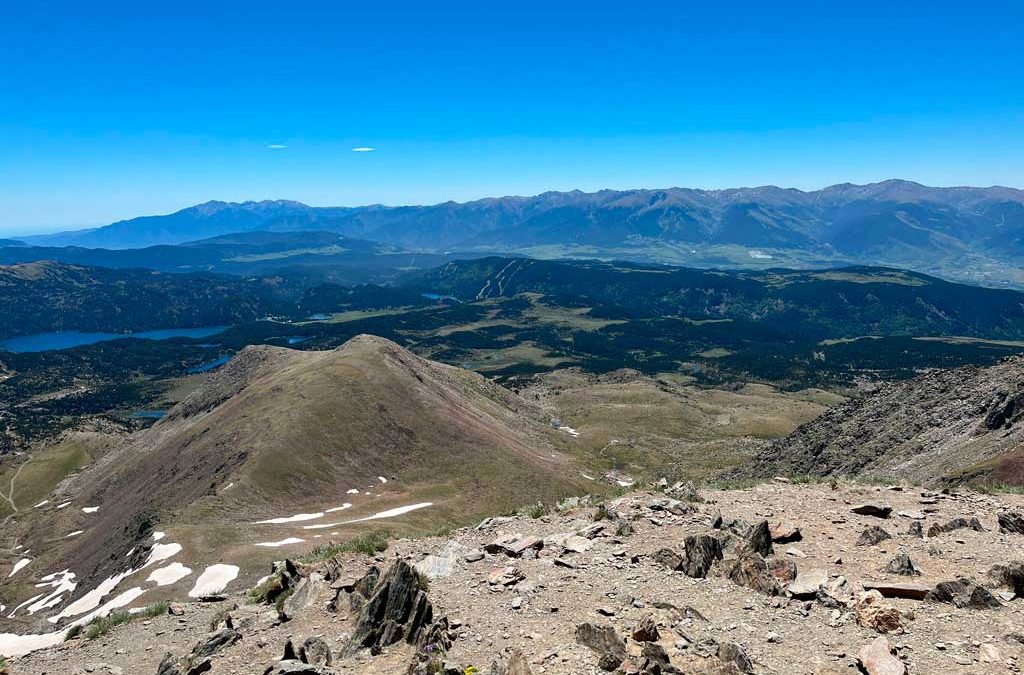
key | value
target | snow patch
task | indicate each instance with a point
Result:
(391, 513)
(42, 503)
(90, 509)
(297, 518)
(283, 542)
(382, 479)
(165, 576)
(157, 536)
(64, 505)
(353, 491)
(569, 430)
(18, 566)
(73, 534)
(343, 507)
(213, 580)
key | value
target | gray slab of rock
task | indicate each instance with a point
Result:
(908, 591)
(807, 584)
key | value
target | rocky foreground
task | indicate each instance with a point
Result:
(780, 578)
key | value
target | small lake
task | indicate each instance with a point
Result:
(149, 414)
(42, 342)
(210, 365)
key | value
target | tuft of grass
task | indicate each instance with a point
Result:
(422, 581)
(73, 632)
(368, 543)
(102, 625)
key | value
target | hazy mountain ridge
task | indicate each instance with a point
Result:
(897, 222)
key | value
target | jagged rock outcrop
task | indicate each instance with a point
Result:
(396, 610)
(956, 524)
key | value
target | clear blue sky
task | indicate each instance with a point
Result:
(111, 110)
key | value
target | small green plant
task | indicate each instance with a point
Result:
(368, 543)
(3, 666)
(102, 625)
(535, 511)
(422, 581)
(73, 632)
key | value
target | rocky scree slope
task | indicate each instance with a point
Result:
(803, 580)
(947, 426)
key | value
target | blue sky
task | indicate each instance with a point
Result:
(110, 110)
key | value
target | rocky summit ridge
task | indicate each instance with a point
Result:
(778, 578)
(948, 426)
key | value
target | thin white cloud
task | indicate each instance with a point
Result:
(276, 146)
(363, 149)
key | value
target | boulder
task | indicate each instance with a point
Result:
(783, 569)
(515, 665)
(514, 545)
(807, 584)
(214, 642)
(873, 510)
(315, 651)
(752, 571)
(443, 563)
(916, 530)
(506, 576)
(306, 593)
(733, 652)
(669, 559)
(1011, 522)
(877, 659)
(872, 612)
(785, 533)
(759, 539)
(963, 593)
(646, 630)
(1011, 575)
(956, 524)
(700, 552)
(172, 666)
(603, 641)
(873, 535)
(903, 566)
(836, 593)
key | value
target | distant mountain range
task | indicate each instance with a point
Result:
(968, 233)
(313, 255)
